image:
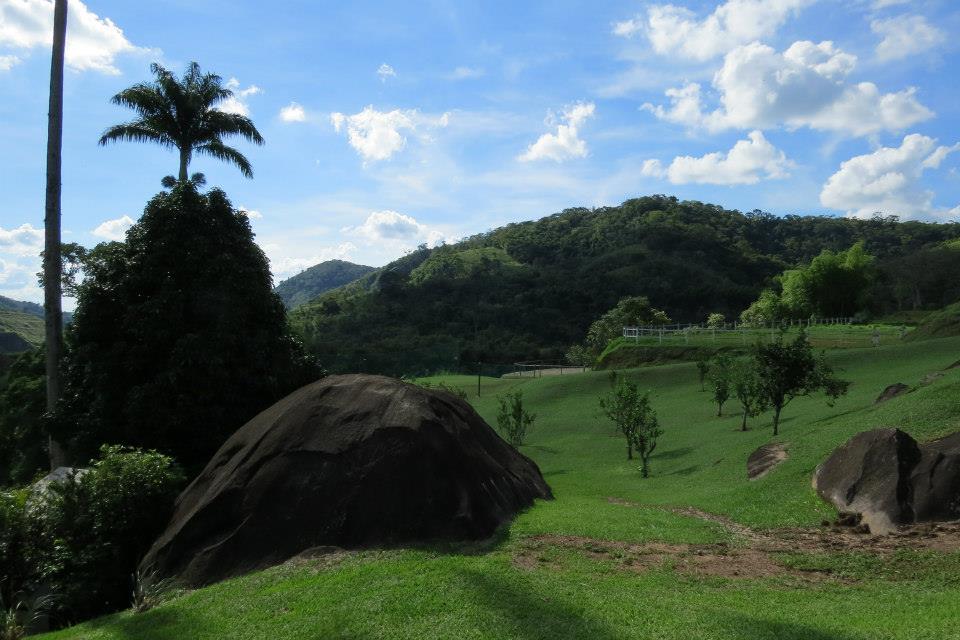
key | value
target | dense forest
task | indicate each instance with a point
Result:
(529, 290)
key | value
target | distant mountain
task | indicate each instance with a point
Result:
(319, 278)
(21, 325)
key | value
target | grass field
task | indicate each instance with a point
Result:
(695, 552)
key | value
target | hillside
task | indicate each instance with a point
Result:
(529, 290)
(310, 283)
(696, 552)
(19, 331)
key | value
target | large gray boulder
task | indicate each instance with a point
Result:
(349, 461)
(936, 480)
(870, 475)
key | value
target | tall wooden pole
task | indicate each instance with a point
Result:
(53, 315)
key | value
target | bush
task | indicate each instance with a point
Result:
(100, 523)
(23, 440)
(20, 549)
(513, 420)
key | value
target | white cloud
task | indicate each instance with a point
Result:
(293, 112)
(565, 143)
(674, 30)
(466, 73)
(887, 180)
(8, 62)
(114, 229)
(904, 36)
(93, 43)
(376, 135)
(393, 228)
(253, 214)
(283, 267)
(24, 240)
(805, 86)
(748, 162)
(385, 71)
(238, 103)
(882, 4)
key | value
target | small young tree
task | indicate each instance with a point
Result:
(748, 389)
(716, 320)
(630, 411)
(703, 368)
(513, 420)
(790, 370)
(720, 381)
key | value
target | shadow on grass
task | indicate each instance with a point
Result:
(673, 454)
(686, 471)
(543, 448)
(531, 617)
(739, 626)
(162, 623)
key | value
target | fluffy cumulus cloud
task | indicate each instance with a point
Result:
(113, 229)
(904, 36)
(385, 71)
(805, 86)
(239, 102)
(393, 228)
(253, 214)
(565, 143)
(748, 162)
(24, 240)
(675, 30)
(8, 62)
(378, 135)
(93, 43)
(293, 112)
(888, 180)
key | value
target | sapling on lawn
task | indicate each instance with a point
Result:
(630, 411)
(703, 368)
(790, 370)
(720, 380)
(513, 420)
(748, 389)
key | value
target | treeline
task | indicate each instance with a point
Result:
(529, 290)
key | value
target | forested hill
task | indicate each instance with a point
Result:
(310, 283)
(529, 290)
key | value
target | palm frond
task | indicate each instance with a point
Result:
(221, 151)
(136, 132)
(220, 123)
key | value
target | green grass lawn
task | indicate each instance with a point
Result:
(568, 568)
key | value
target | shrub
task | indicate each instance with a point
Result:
(513, 420)
(102, 522)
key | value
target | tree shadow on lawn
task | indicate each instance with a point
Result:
(527, 615)
(673, 454)
(741, 626)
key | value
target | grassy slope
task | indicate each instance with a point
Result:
(28, 326)
(481, 592)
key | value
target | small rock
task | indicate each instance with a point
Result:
(892, 391)
(765, 458)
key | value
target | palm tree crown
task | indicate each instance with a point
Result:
(182, 114)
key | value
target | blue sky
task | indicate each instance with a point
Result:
(389, 124)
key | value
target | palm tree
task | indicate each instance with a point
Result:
(52, 264)
(182, 114)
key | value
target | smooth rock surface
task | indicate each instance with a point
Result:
(349, 461)
(936, 480)
(870, 475)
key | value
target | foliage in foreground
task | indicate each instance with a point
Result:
(83, 537)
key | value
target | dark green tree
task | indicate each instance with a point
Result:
(703, 368)
(178, 338)
(630, 311)
(23, 446)
(182, 114)
(790, 370)
(513, 420)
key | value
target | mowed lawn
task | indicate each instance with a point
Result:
(568, 568)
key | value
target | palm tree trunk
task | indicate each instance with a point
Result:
(184, 162)
(53, 316)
